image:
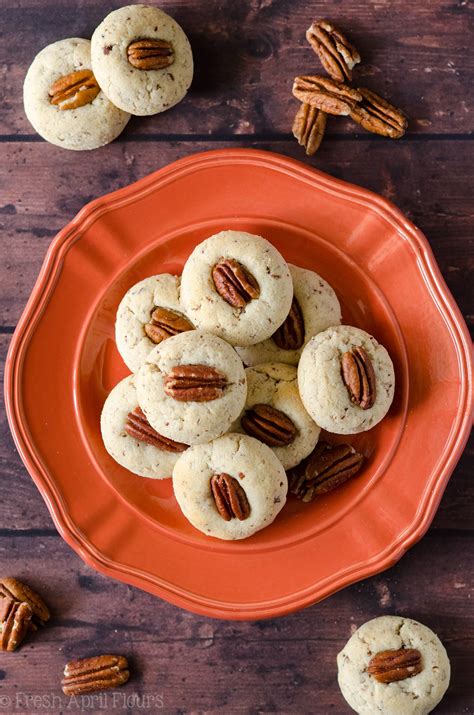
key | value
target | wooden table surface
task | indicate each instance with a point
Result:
(247, 53)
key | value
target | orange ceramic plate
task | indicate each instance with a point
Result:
(63, 362)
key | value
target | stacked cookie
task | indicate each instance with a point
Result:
(79, 94)
(226, 432)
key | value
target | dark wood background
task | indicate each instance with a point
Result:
(247, 53)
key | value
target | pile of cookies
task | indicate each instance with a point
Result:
(79, 94)
(236, 367)
(322, 96)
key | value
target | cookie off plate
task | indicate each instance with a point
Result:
(388, 283)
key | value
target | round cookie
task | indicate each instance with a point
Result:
(189, 416)
(137, 455)
(319, 308)
(135, 339)
(416, 695)
(275, 385)
(258, 317)
(254, 467)
(321, 385)
(142, 80)
(89, 126)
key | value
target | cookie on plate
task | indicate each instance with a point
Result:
(231, 487)
(142, 59)
(346, 380)
(393, 665)
(129, 438)
(315, 307)
(275, 415)
(63, 101)
(192, 387)
(149, 313)
(238, 286)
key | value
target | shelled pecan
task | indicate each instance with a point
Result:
(150, 54)
(164, 323)
(389, 666)
(359, 377)
(138, 427)
(195, 383)
(326, 468)
(338, 56)
(376, 115)
(74, 90)
(326, 94)
(234, 283)
(269, 425)
(229, 497)
(290, 335)
(89, 675)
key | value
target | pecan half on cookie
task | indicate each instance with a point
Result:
(150, 54)
(164, 323)
(337, 55)
(376, 115)
(138, 427)
(326, 94)
(74, 90)
(359, 377)
(229, 497)
(234, 283)
(290, 334)
(389, 666)
(195, 383)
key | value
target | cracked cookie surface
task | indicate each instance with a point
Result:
(256, 469)
(416, 695)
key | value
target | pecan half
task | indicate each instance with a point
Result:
(91, 674)
(308, 127)
(164, 323)
(150, 54)
(326, 468)
(337, 55)
(138, 427)
(377, 115)
(388, 666)
(290, 335)
(195, 383)
(15, 620)
(269, 425)
(74, 90)
(359, 377)
(229, 497)
(234, 283)
(21, 593)
(326, 94)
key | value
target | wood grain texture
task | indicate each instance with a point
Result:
(247, 54)
(200, 665)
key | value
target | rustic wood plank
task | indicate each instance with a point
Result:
(427, 180)
(248, 52)
(197, 664)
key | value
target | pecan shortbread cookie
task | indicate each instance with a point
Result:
(393, 665)
(142, 59)
(63, 100)
(275, 415)
(149, 313)
(346, 380)
(238, 286)
(131, 440)
(315, 307)
(192, 387)
(231, 487)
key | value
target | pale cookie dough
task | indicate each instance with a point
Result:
(247, 460)
(417, 695)
(141, 458)
(134, 312)
(140, 91)
(276, 384)
(261, 316)
(86, 127)
(319, 307)
(191, 422)
(323, 391)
